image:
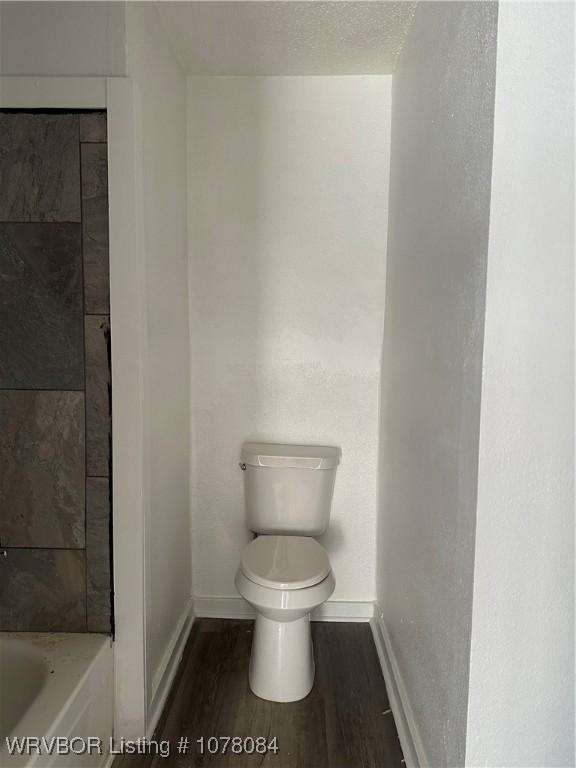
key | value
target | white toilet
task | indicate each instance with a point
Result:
(284, 573)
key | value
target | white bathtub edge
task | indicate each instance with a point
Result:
(77, 701)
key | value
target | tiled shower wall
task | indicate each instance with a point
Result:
(55, 425)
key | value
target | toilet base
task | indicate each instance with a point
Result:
(282, 660)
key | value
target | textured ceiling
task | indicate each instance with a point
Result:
(287, 38)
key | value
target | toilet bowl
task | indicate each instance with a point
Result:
(284, 578)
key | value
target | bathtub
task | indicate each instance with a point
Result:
(56, 685)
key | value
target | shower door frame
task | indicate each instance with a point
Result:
(128, 340)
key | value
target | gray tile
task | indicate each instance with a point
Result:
(95, 228)
(41, 306)
(42, 472)
(93, 126)
(98, 420)
(43, 590)
(39, 168)
(98, 554)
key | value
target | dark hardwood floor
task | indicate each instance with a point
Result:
(345, 722)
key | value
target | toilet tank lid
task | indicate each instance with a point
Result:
(295, 456)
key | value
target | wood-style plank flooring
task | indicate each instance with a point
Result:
(345, 722)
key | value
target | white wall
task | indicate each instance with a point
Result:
(288, 204)
(62, 38)
(160, 145)
(442, 121)
(521, 707)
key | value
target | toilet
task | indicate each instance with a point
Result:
(284, 572)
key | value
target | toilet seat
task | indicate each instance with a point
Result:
(285, 562)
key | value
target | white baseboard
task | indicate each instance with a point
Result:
(238, 608)
(223, 608)
(344, 610)
(164, 675)
(408, 733)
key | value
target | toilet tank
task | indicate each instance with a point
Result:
(288, 488)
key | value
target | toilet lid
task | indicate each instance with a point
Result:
(285, 562)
